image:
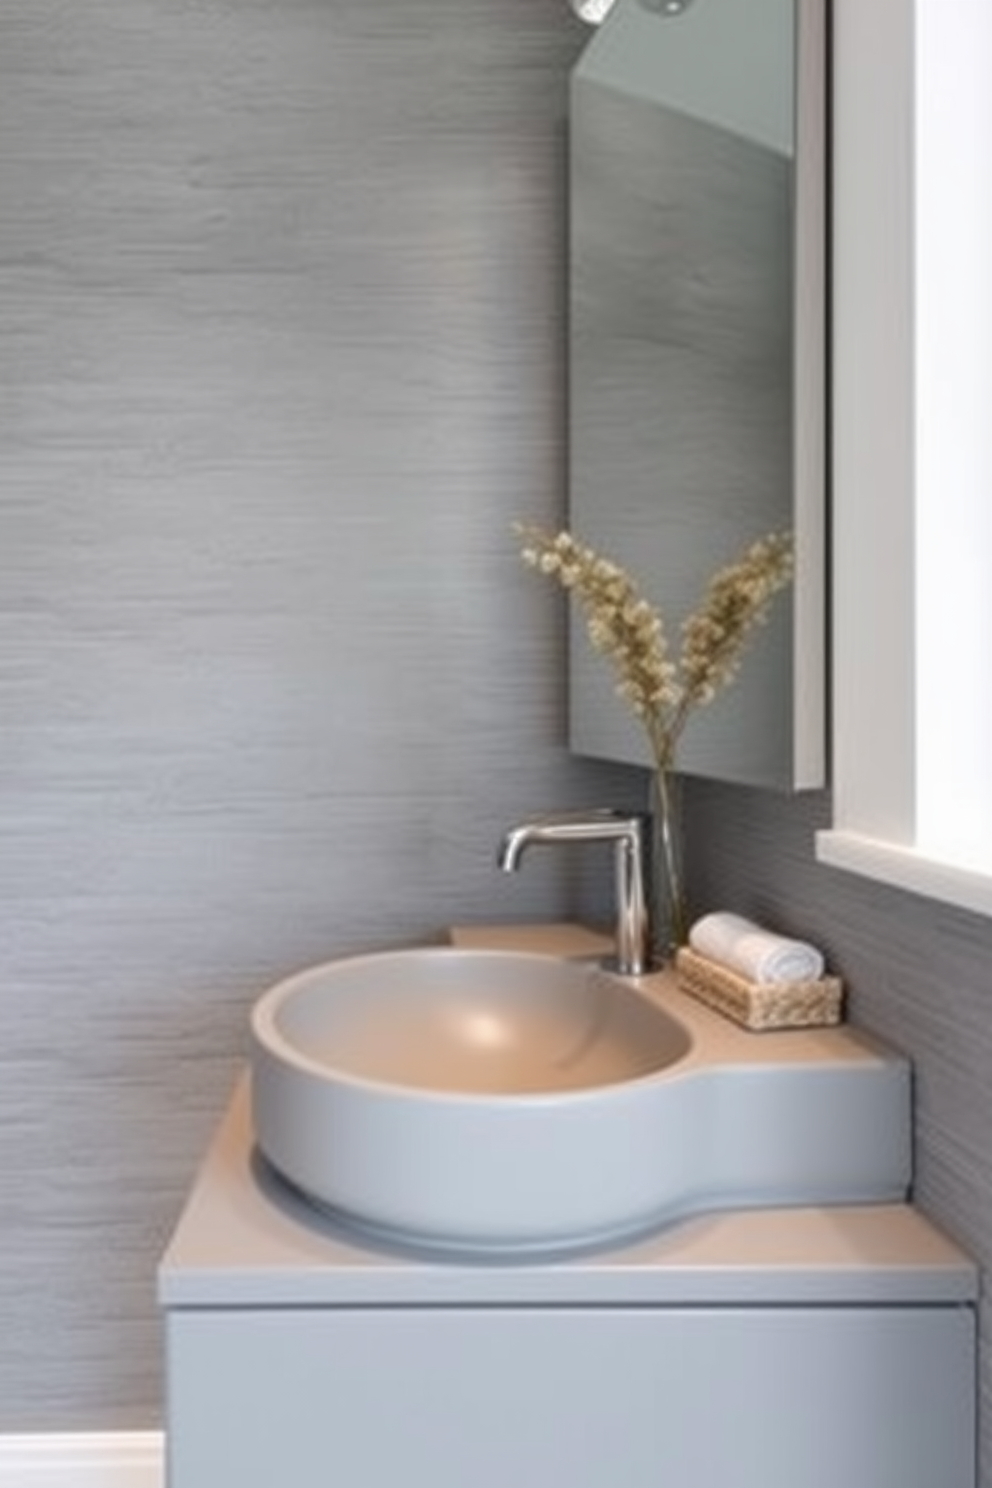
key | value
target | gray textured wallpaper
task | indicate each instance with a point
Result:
(281, 317)
(918, 973)
(281, 313)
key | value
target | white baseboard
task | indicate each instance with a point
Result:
(111, 1459)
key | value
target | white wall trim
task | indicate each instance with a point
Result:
(912, 452)
(114, 1459)
(907, 868)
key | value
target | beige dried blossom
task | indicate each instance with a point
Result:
(630, 632)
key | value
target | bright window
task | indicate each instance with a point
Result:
(912, 495)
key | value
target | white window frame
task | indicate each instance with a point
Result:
(909, 531)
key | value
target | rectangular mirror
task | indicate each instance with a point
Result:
(697, 352)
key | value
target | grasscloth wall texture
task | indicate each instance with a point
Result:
(918, 973)
(282, 359)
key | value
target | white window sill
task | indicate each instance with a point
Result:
(906, 868)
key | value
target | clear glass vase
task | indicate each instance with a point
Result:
(669, 916)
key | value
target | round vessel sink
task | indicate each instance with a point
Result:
(468, 1098)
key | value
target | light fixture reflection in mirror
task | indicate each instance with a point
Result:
(594, 12)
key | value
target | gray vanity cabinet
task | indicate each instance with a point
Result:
(585, 1397)
(830, 1348)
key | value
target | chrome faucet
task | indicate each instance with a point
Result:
(628, 832)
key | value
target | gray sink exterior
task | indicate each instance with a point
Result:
(803, 1117)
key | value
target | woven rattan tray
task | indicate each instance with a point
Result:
(760, 1005)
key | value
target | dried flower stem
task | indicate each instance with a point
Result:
(629, 631)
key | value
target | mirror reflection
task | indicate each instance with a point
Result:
(697, 348)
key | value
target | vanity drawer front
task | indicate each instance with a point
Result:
(588, 1398)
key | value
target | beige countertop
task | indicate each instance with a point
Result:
(245, 1239)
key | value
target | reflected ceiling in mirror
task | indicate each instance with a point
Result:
(697, 349)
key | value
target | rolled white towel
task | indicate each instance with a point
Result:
(753, 952)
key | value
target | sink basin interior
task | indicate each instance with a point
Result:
(462, 1023)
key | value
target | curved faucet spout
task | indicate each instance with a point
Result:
(603, 824)
(628, 833)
